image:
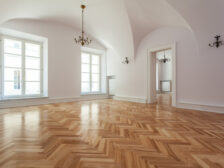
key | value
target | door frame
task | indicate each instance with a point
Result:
(151, 76)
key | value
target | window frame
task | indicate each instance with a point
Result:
(90, 72)
(23, 68)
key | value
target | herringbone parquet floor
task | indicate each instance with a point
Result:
(110, 134)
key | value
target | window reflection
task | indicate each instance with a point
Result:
(32, 121)
(89, 116)
(12, 126)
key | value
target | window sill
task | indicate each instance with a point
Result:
(93, 94)
(24, 98)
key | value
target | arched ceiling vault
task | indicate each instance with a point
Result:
(118, 24)
(105, 20)
(148, 15)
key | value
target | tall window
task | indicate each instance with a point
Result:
(21, 72)
(91, 73)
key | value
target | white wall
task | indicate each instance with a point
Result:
(205, 18)
(64, 68)
(200, 68)
(166, 71)
(191, 86)
(199, 74)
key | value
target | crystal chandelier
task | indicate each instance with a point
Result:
(164, 59)
(82, 39)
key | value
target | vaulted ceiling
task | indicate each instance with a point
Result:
(118, 24)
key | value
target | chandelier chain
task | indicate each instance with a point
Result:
(82, 40)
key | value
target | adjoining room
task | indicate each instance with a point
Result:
(164, 76)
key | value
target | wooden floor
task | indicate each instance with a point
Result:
(110, 134)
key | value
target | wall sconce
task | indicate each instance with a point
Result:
(217, 43)
(126, 60)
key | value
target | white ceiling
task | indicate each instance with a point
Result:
(148, 15)
(118, 24)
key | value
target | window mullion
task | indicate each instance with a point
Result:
(90, 83)
(1, 68)
(41, 70)
(100, 73)
(23, 68)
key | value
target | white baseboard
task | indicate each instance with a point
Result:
(42, 101)
(131, 99)
(111, 96)
(207, 108)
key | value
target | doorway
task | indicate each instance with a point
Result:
(162, 75)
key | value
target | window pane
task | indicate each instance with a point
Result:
(95, 69)
(32, 50)
(85, 77)
(85, 68)
(95, 59)
(32, 88)
(12, 61)
(95, 87)
(32, 75)
(85, 87)
(12, 74)
(12, 89)
(90, 76)
(12, 46)
(85, 58)
(33, 63)
(95, 77)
